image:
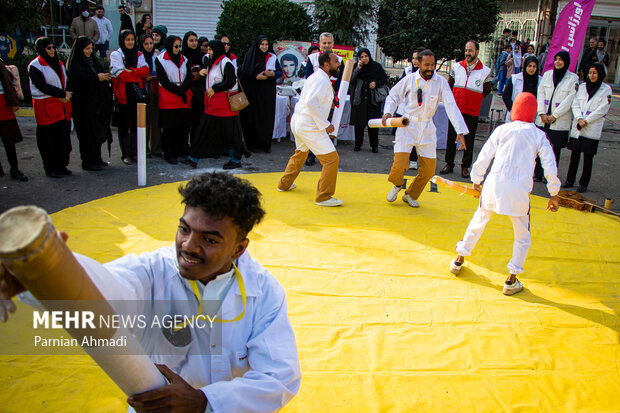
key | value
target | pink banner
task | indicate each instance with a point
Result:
(569, 32)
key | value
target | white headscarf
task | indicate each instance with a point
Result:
(517, 56)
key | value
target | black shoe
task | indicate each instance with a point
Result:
(247, 153)
(232, 165)
(185, 161)
(310, 161)
(375, 149)
(582, 188)
(18, 175)
(268, 150)
(66, 171)
(53, 174)
(538, 179)
(357, 148)
(172, 161)
(104, 164)
(1, 171)
(568, 184)
(448, 169)
(94, 168)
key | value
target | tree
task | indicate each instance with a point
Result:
(439, 25)
(244, 20)
(347, 20)
(24, 15)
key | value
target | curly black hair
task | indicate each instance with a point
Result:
(221, 195)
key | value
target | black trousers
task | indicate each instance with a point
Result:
(373, 136)
(472, 125)
(89, 138)
(586, 172)
(11, 154)
(128, 130)
(538, 169)
(54, 143)
(174, 142)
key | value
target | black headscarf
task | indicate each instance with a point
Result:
(202, 40)
(131, 55)
(254, 60)
(162, 34)
(194, 56)
(530, 82)
(218, 50)
(77, 54)
(558, 75)
(592, 87)
(176, 58)
(373, 71)
(148, 56)
(40, 45)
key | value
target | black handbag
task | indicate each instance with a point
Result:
(141, 94)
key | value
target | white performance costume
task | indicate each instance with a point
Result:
(513, 148)
(309, 120)
(421, 131)
(252, 366)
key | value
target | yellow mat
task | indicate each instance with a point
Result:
(380, 323)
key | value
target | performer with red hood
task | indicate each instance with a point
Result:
(507, 188)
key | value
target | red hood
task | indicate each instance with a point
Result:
(524, 108)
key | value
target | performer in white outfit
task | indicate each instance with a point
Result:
(246, 363)
(310, 126)
(418, 95)
(513, 148)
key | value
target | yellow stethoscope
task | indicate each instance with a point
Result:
(196, 290)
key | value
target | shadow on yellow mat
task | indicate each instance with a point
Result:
(380, 322)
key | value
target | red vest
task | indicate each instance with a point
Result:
(467, 90)
(218, 104)
(49, 109)
(176, 75)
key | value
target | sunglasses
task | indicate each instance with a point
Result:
(50, 47)
(176, 46)
(227, 43)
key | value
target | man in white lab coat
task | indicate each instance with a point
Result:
(248, 362)
(514, 146)
(418, 95)
(311, 128)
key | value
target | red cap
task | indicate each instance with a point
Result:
(524, 108)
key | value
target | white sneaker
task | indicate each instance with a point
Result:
(290, 188)
(413, 165)
(393, 194)
(455, 266)
(510, 289)
(410, 201)
(331, 202)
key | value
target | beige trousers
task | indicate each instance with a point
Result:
(425, 173)
(329, 173)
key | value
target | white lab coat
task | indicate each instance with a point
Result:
(517, 87)
(421, 131)
(255, 368)
(309, 120)
(561, 102)
(593, 111)
(514, 146)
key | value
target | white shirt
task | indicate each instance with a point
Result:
(560, 98)
(513, 148)
(593, 111)
(315, 102)
(105, 29)
(252, 367)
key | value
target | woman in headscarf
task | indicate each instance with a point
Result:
(366, 78)
(220, 129)
(153, 133)
(228, 47)
(175, 98)
(516, 55)
(9, 129)
(159, 34)
(52, 109)
(555, 97)
(129, 70)
(144, 26)
(590, 106)
(86, 76)
(203, 45)
(194, 56)
(526, 81)
(259, 72)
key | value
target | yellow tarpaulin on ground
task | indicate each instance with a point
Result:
(381, 324)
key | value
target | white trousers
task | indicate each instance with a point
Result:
(523, 238)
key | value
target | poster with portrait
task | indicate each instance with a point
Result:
(291, 55)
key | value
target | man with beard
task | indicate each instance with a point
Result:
(311, 128)
(250, 362)
(470, 81)
(587, 59)
(420, 94)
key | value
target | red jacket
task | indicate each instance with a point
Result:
(118, 82)
(468, 90)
